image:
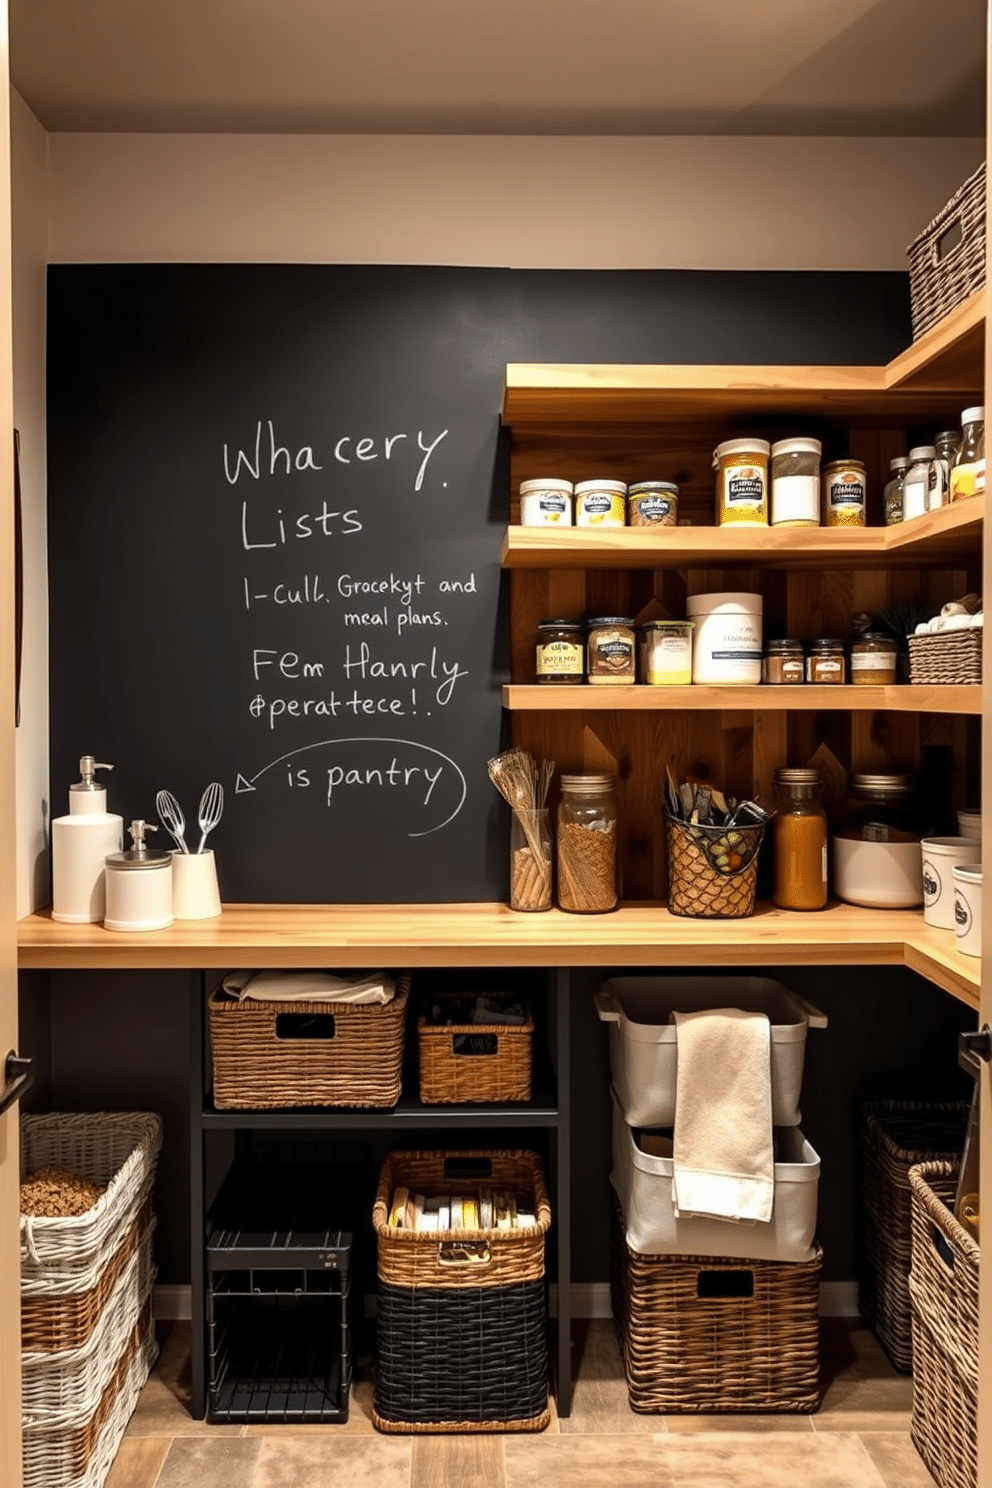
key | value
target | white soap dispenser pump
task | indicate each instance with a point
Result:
(81, 842)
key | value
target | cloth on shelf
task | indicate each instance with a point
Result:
(310, 986)
(723, 1144)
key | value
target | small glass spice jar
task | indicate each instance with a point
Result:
(799, 841)
(587, 844)
(874, 657)
(795, 480)
(652, 504)
(600, 503)
(610, 650)
(892, 497)
(561, 652)
(666, 652)
(742, 482)
(844, 487)
(826, 661)
(783, 662)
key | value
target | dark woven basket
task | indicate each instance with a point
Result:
(475, 1359)
(471, 1062)
(703, 1334)
(894, 1136)
(942, 276)
(943, 1287)
(696, 888)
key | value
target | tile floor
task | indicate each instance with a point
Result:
(858, 1439)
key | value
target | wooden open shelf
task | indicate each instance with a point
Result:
(639, 698)
(493, 935)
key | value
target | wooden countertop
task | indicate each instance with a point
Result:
(424, 935)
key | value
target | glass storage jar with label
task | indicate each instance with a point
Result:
(666, 652)
(893, 493)
(968, 470)
(799, 841)
(652, 504)
(844, 488)
(947, 445)
(795, 482)
(587, 844)
(877, 856)
(600, 503)
(561, 651)
(874, 656)
(610, 653)
(783, 661)
(546, 503)
(919, 478)
(826, 661)
(742, 482)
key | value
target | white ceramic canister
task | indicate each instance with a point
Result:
(941, 855)
(600, 503)
(879, 875)
(968, 908)
(970, 825)
(727, 645)
(546, 503)
(139, 885)
(195, 892)
(795, 481)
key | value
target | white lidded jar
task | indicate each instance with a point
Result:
(727, 645)
(920, 477)
(601, 503)
(545, 503)
(795, 481)
(80, 844)
(139, 885)
(741, 467)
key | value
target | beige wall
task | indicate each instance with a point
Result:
(711, 203)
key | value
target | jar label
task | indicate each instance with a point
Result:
(653, 508)
(967, 480)
(795, 498)
(745, 486)
(600, 506)
(847, 490)
(560, 658)
(914, 498)
(873, 661)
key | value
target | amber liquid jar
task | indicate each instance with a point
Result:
(799, 841)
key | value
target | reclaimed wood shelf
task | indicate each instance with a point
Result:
(493, 935)
(640, 698)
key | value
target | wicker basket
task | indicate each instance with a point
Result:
(695, 887)
(705, 1334)
(65, 1258)
(461, 1316)
(471, 1062)
(53, 1322)
(272, 1054)
(943, 1287)
(895, 1135)
(939, 279)
(946, 656)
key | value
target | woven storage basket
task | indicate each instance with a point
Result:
(695, 887)
(895, 1135)
(65, 1257)
(943, 1287)
(69, 1383)
(52, 1322)
(691, 1342)
(939, 277)
(950, 656)
(461, 1316)
(78, 1451)
(256, 1065)
(452, 1071)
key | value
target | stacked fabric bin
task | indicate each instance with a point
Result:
(716, 1269)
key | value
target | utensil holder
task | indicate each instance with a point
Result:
(195, 894)
(697, 888)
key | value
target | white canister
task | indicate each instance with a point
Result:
(139, 885)
(795, 481)
(880, 875)
(726, 647)
(968, 908)
(941, 855)
(195, 893)
(600, 503)
(546, 503)
(970, 825)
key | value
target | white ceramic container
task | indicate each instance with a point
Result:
(968, 908)
(195, 895)
(726, 649)
(941, 855)
(879, 875)
(970, 825)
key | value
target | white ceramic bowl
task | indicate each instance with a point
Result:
(879, 875)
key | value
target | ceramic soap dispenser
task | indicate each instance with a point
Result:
(80, 844)
(139, 885)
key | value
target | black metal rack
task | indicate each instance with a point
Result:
(543, 1119)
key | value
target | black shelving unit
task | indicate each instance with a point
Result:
(545, 1117)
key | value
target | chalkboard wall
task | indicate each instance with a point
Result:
(276, 497)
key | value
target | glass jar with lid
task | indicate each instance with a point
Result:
(587, 844)
(893, 494)
(799, 841)
(845, 485)
(561, 652)
(968, 470)
(877, 856)
(826, 662)
(795, 482)
(947, 443)
(784, 661)
(874, 658)
(919, 478)
(611, 655)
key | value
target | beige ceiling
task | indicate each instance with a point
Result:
(742, 67)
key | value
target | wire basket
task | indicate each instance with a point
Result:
(697, 887)
(946, 656)
(941, 273)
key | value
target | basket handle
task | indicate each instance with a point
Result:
(938, 256)
(305, 1027)
(814, 1017)
(463, 1253)
(483, 1045)
(725, 1284)
(606, 1006)
(943, 1247)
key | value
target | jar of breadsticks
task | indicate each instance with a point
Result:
(587, 844)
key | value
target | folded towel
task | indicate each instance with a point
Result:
(723, 1151)
(309, 986)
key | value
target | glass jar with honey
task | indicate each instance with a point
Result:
(799, 841)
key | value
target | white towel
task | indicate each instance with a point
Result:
(723, 1146)
(309, 986)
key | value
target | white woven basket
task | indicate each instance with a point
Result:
(60, 1389)
(118, 1149)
